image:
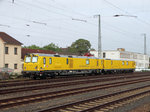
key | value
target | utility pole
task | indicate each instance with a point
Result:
(13, 1)
(99, 36)
(144, 43)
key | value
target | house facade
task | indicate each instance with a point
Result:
(10, 53)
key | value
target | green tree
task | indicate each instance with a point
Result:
(80, 46)
(52, 47)
(32, 47)
(92, 49)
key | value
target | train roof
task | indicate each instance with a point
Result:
(120, 59)
(67, 56)
(73, 56)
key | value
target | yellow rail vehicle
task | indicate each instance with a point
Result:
(118, 66)
(46, 65)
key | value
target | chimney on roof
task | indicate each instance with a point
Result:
(121, 49)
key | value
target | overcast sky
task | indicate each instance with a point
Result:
(41, 22)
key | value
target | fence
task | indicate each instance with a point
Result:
(5, 73)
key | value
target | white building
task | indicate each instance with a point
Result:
(142, 61)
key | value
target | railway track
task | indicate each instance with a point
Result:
(11, 102)
(31, 82)
(103, 103)
(13, 81)
(48, 86)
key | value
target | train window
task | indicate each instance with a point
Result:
(127, 62)
(123, 63)
(50, 60)
(34, 59)
(44, 60)
(67, 61)
(28, 59)
(87, 62)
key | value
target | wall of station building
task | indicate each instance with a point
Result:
(142, 61)
(1, 53)
(12, 60)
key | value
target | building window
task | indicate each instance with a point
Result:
(104, 55)
(15, 51)
(6, 65)
(15, 66)
(6, 50)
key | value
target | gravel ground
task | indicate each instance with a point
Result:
(34, 107)
(18, 94)
(135, 106)
(145, 106)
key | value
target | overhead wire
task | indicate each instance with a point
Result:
(50, 25)
(61, 8)
(105, 22)
(143, 21)
(56, 13)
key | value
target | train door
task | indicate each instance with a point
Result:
(70, 63)
(102, 64)
(97, 62)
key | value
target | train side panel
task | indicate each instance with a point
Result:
(118, 66)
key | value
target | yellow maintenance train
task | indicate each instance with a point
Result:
(38, 65)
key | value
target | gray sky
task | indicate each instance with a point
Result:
(41, 22)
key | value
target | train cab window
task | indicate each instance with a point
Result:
(127, 62)
(44, 60)
(87, 62)
(67, 61)
(123, 63)
(34, 59)
(50, 60)
(28, 59)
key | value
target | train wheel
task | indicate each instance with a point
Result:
(53, 75)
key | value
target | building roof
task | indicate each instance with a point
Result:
(8, 39)
(25, 51)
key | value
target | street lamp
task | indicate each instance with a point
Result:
(117, 15)
(99, 31)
